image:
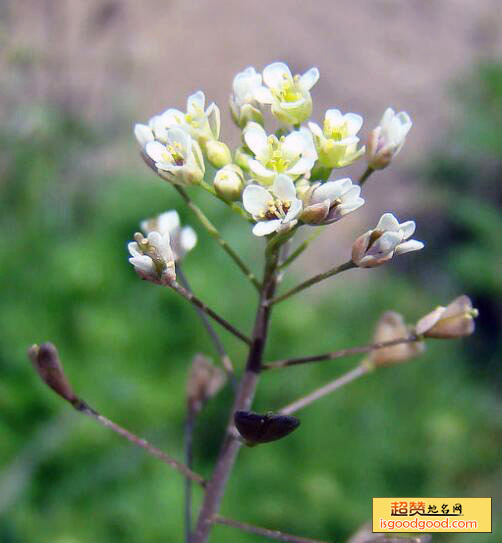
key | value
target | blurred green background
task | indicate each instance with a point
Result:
(428, 428)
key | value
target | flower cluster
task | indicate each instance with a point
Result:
(282, 179)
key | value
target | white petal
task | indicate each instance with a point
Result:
(407, 228)
(294, 210)
(354, 122)
(302, 166)
(264, 228)
(133, 249)
(258, 170)
(255, 199)
(387, 117)
(168, 222)
(178, 135)
(213, 117)
(385, 244)
(256, 139)
(284, 188)
(275, 74)
(188, 239)
(350, 193)
(388, 222)
(196, 102)
(316, 130)
(294, 144)
(155, 150)
(143, 134)
(263, 95)
(309, 79)
(407, 246)
(142, 263)
(333, 117)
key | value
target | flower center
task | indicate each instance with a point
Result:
(276, 209)
(174, 154)
(276, 160)
(288, 91)
(336, 132)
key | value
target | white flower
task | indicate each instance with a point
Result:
(182, 240)
(243, 103)
(289, 96)
(202, 124)
(336, 143)
(293, 154)
(453, 321)
(153, 258)
(179, 160)
(387, 139)
(275, 211)
(388, 238)
(328, 202)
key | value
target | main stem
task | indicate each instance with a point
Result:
(245, 394)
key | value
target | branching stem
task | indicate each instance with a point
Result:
(266, 532)
(338, 354)
(245, 394)
(214, 233)
(208, 311)
(84, 408)
(215, 338)
(348, 377)
(312, 281)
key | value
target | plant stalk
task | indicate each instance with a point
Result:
(216, 486)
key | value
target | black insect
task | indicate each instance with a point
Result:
(256, 428)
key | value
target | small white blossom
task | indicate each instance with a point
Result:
(336, 143)
(243, 103)
(388, 238)
(293, 154)
(387, 139)
(202, 124)
(329, 202)
(182, 239)
(275, 210)
(453, 321)
(179, 160)
(153, 258)
(289, 96)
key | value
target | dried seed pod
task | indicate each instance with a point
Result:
(256, 428)
(45, 360)
(204, 381)
(391, 326)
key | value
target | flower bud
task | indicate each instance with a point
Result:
(250, 113)
(45, 360)
(379, 245)
(390, 327)
(241, 158)
(204, 381)
(229, 181)
(456, 320)
(387, 139)
(218, 153)
(152, 257)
